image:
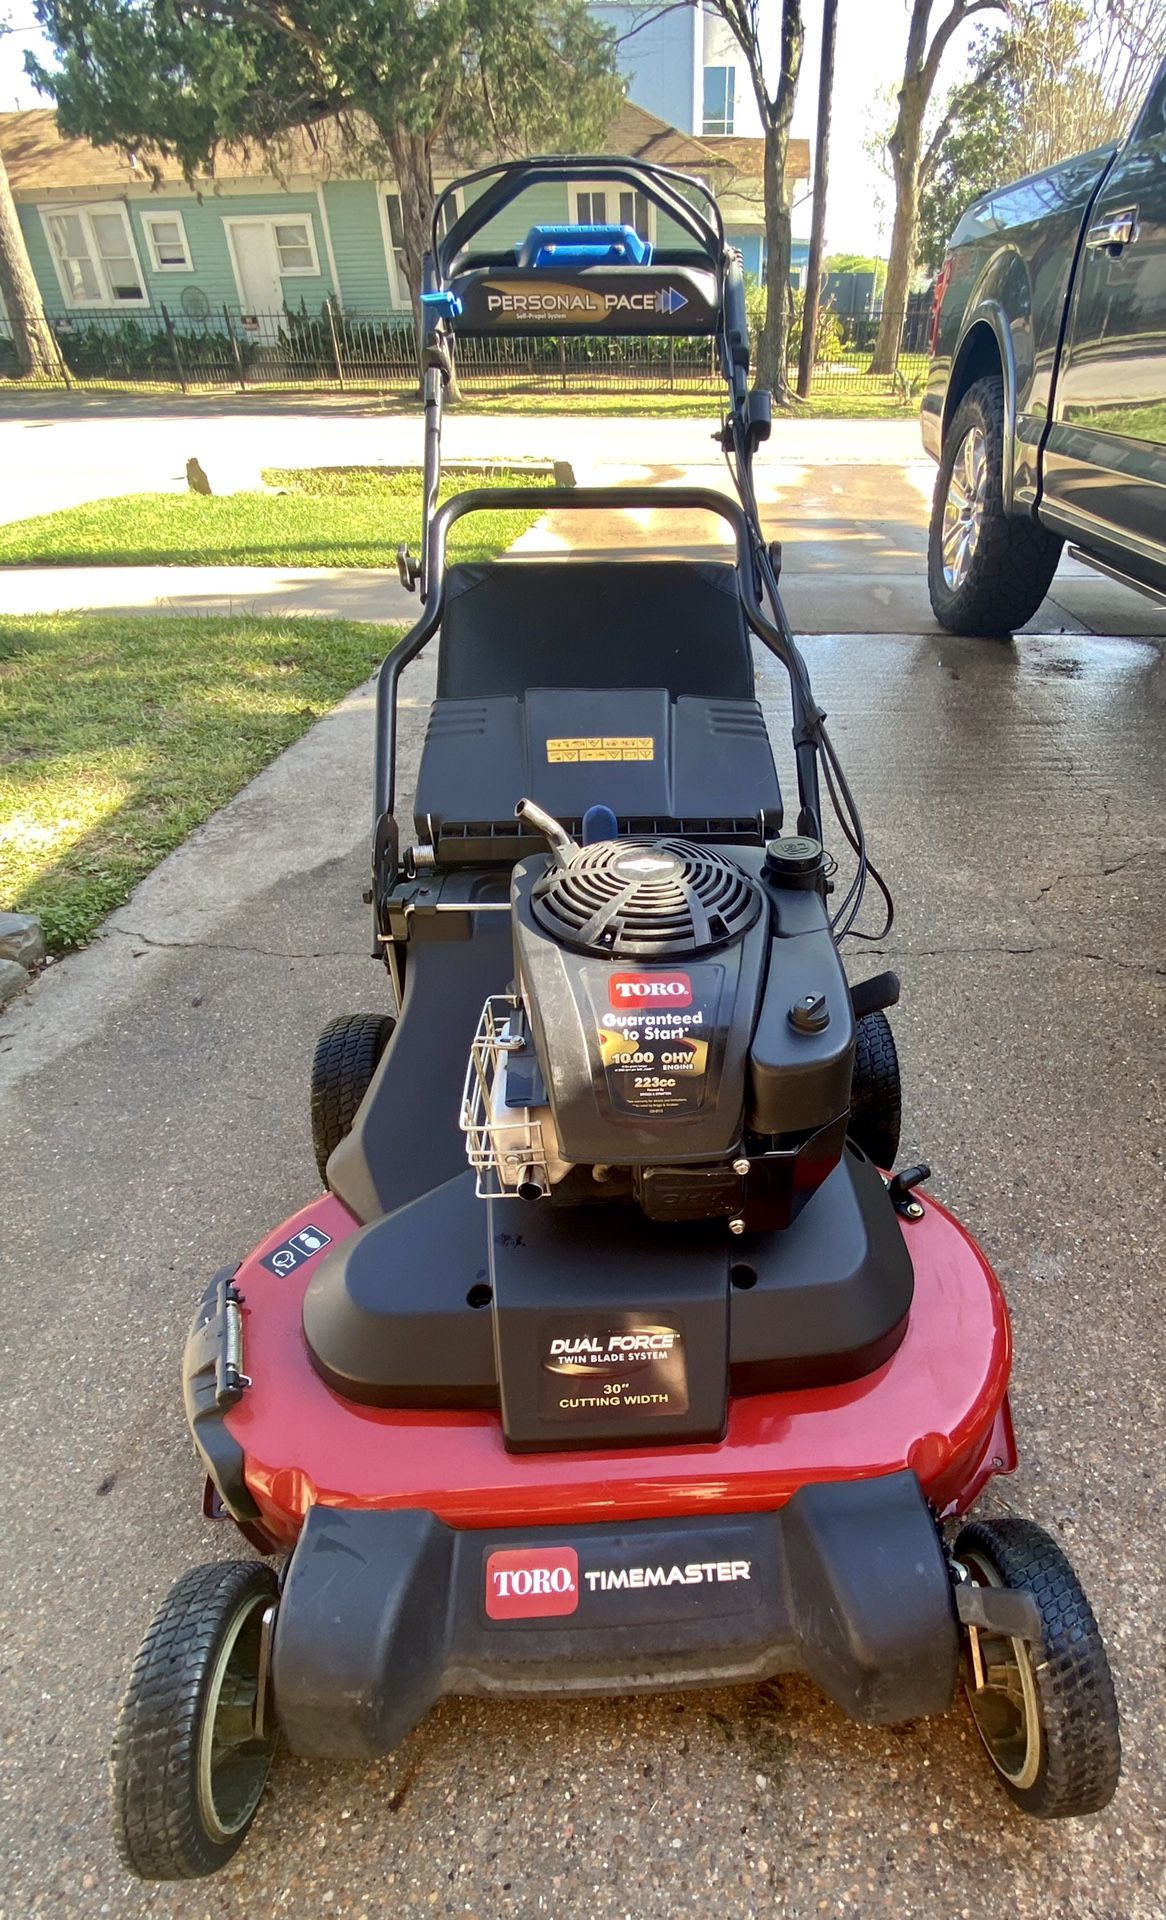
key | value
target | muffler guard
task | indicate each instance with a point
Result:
(384, 1612)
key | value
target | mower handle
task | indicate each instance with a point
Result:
(774, 634)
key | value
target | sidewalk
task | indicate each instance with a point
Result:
(346, 593)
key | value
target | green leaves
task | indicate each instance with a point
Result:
(187, 76)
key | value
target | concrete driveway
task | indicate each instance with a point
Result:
(849, 499)
(153, 1121)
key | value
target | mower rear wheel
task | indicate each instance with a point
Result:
(1047, 1715)
(347, 1054)
(876, 1093)
(191, 1753)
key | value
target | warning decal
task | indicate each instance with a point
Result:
(606, 746)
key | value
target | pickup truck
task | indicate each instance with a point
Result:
(1045, 403)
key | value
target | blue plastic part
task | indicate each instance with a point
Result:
(608, 246)
(444, 304)
(599, 823)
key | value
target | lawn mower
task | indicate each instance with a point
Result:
(616, 1355)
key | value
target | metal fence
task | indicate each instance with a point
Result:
(333, 349)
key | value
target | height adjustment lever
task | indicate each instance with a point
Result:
(900, 1190)
(408, 568)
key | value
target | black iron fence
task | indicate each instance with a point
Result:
(330, 348)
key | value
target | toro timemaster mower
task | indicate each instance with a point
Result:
(616, 1355)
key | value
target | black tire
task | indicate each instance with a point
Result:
(346, 1057)
(1012, 559)
(1071, 1757)
(178, 1812)
(876, 1093)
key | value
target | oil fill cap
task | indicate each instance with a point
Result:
(794, 861)
(810, 1014)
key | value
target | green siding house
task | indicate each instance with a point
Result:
(111, 234)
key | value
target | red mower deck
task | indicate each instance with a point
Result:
(939, 1406)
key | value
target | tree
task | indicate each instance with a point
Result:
(1080, 70)
(1063, 77)
(972, 149)
(821, 179)
(905, 150)
(775, 107)
(33, 340)
(396, 80)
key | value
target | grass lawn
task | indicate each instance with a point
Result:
(331, 517)
(119, 736)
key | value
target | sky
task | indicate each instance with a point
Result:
(872, 36)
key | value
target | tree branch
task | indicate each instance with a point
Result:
(961, 10)
(960, 102)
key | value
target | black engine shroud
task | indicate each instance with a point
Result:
(688, 1015)
(614, 1324)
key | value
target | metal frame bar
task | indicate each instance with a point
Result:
(773, 633)
(512, 178)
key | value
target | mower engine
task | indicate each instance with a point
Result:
(680, 1034)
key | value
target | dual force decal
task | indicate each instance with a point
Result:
(628, 1365)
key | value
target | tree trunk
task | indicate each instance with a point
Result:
(771, 348)
(413, 171)
(821, 179)
(901, 261)
(37, 352)
(920, 69)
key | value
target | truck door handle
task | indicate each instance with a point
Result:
(1116, 231)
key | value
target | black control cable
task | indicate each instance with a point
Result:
(837, 786)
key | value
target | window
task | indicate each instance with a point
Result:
(295, 245)
(719, 88)
(590, 208)
(93, 251)
(635, 211)
(395, 239)
(166, 239)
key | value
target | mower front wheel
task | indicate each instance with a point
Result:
(347, 1055)
(193, 1745)
(1047, 1714)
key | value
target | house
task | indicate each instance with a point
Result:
(683, 64)
(111, 234)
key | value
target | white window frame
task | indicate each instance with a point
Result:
(723, 128)
(612, 189)
(174, 219)
(106, 299)
(398, 285)
(306, 221)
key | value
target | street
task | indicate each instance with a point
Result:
(154, 1122)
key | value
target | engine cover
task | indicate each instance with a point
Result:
(641, 966)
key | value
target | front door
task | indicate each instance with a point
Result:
(1105, 457)
(256, 269)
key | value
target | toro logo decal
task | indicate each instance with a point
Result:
(626, 990)
(523, 1582)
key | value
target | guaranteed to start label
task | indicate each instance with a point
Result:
(628, 1366)
(654, 1032)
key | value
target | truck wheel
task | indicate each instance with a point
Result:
(987, 571)
(876, 1094)
(347, 1054)
(1047, 1715)
(191, 1753)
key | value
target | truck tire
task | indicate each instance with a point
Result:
(987, 570)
